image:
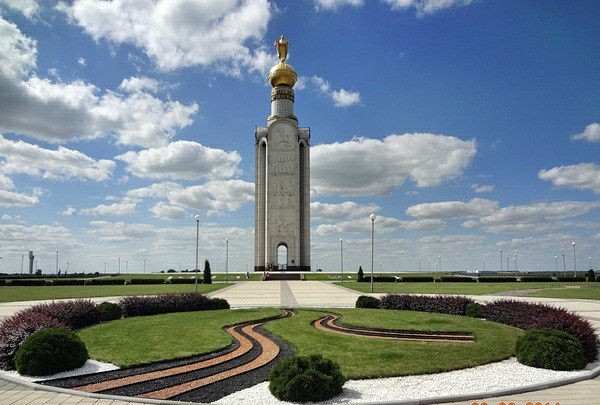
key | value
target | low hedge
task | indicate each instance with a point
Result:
(379, 279)
(303, 379)
(50, 351)
(417, 279)
(166, 303)
(497, 279)
(185, 281)
(366, 301)
(526, 316)
(443, 304)
(105, 281)
(147, 281)
(67, 281)
(550, 349)
(536, 279)
(454, 279)
(28, 282)
(474, 310)
(568, 279)
(2, 282)
(74, 313)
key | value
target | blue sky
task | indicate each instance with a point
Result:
(467, 126)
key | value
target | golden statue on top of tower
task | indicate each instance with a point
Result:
(282, 48)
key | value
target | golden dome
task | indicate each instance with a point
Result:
(282, 74)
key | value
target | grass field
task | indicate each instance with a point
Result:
(9, 294)
(139, 340)
(568, 290)
(146, 339)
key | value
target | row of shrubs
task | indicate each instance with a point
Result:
(96, 281)
(520, 314)
(459, 279)
(80, 313)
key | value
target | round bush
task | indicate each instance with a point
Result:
(107, 311)
(50, 351)
(303, 379)
(474, 310)
(550, 349)
(365, 301)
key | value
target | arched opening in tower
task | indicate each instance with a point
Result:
(282, 256)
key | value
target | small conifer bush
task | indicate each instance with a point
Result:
(50, 351)
(108, 311)
(303, 379)
(551, 349)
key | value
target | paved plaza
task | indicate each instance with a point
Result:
(308, 294)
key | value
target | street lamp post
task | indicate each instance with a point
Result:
(342, 258)
(590, 262)
(372, 218)
(419, 264)
(440, 262)
(22, 256)
(226, 260)
(501, 261)
(516, 268)
(56, 261)
(144, 265)
(429, 265)
(119, 257)
(556, 264)
(197, 218)
(126, 266)
(564, 265)
(483, 266)
(574, 261)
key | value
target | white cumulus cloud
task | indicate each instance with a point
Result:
(335, 4)
(426, 6)
(476, 207)
(346, 209)
(182, 160)
(365, 166)
(582, 176)
(28, 8)
(116, 209)
(214, 196)
(590, 134)
(179, 33)
(165, 211)
(340, 98)
(483, 188)
(344, 98)
(59, 164)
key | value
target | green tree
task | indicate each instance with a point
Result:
(207, 276)
(361, 274)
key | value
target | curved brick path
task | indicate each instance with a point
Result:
(330, 323)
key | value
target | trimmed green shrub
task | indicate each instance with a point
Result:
(360, 276)
(105, 281)
(456, 279)
(550, 349)
(108, 311)
(146, 281)
(30, 282)
(474, 310)
(366, 301)
(2, 281)
(417, 279)
(571, 279)
(497, 279)
(443, 304)
(379, 279)
(166, 303)
(536, 279)
(188, 280)
(67, 281)
(207, 278)
(50, 351)
(303, 379)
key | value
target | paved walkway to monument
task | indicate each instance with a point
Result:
(315, 294)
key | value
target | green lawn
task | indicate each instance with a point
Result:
(146, 339)
(587, 291)
(140, 340)
(9, 294)
(459, 288)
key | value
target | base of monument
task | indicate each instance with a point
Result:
(276, 269)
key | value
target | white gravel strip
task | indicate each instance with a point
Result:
(504, 375)
(90, 366)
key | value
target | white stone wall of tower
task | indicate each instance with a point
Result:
(305, 207)
(282, 108)
(259, 197)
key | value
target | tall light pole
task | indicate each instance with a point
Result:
(440, 261)
(372, 218)
(342, 258)
(144, 265)
(119, 258)
(104, 267)
(226, 260)
(516, 268)
(590, 262)
(419, 264)
(483, 266)
(197, 218)
(22, 256)
(126, 266)
(556, 264)
(57, 260)
(574, 261)
(66, 271)
(564, 265)
(429, 265)
(501, 261)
